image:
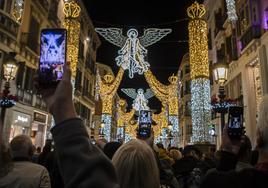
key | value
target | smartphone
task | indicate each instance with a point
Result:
(145, 123)
(52, 56)
(235, 122)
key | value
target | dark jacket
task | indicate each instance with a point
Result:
(226, 176)
(81, 164)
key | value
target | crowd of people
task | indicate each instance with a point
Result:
(70, 160)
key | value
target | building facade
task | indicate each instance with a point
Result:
(29, 115)
(185, 120)
(243, 45)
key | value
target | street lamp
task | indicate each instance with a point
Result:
(220, 71)
(10, 70)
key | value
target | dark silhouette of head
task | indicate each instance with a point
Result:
(110, 148)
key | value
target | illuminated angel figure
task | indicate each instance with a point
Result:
(133, 53)
(140, 101)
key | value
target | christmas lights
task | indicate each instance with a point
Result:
(17, 9)
(201, 109)
(200, 84)
(167, 94)
(231, 10)
(140, 101)
(106, 130)
(72, 11)
(107, 89)
(133, 53)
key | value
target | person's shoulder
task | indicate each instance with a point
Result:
(29, 165)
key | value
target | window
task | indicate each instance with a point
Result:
(81, 50)
(85, 86)
(28, 84)
(33, 36)
(2, 4)
(209, 40)
(20, 74)
(78, 79)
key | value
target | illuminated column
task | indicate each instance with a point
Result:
(72, 11)
(200, 84)
(107, 88)
(17, 10)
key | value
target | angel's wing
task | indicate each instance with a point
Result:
(148, 94)
(113, 35)
(153, 35)
(130, 92)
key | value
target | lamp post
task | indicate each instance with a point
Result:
(220, 71)
(7, 100)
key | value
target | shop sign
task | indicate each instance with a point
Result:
(39, 117)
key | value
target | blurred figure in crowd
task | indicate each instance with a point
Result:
(24, 173)
(110, 148)
(6, 164)
(136, 166)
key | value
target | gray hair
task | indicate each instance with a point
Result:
(262, 124)
(21, 146)
(136, 165)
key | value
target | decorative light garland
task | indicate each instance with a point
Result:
(201, 109)
(140, 101)
(132, 54)
(107, 119)
(167, 94)
(72, 11)
(200, 84)
(17, 9)
(231, 10)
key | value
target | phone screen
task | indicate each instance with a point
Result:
(145, 123)
(235, 122)
(52, 55)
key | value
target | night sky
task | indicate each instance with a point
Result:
(164, 56)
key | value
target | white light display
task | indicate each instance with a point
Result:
(132, 53)
(128, 137)
(201, 109)
(107, 119)
(120, 132)
(140, 101)
(231, 10)
(174, 120)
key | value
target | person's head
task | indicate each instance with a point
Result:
(175, 154)
(244, 153)
(5, 160)
(262, 126)
(110, 148)
(136, 166)
(21, 146)
(191, 151)
(38, 149)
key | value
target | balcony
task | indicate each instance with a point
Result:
(40, 104)
(25, 96)
(253, 32)
(8, 25)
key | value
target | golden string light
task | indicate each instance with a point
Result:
(200, 84)
(107, 89)
(167, 94)
(161, 120)
(72, 11)
(123, 116)
(198, 42)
